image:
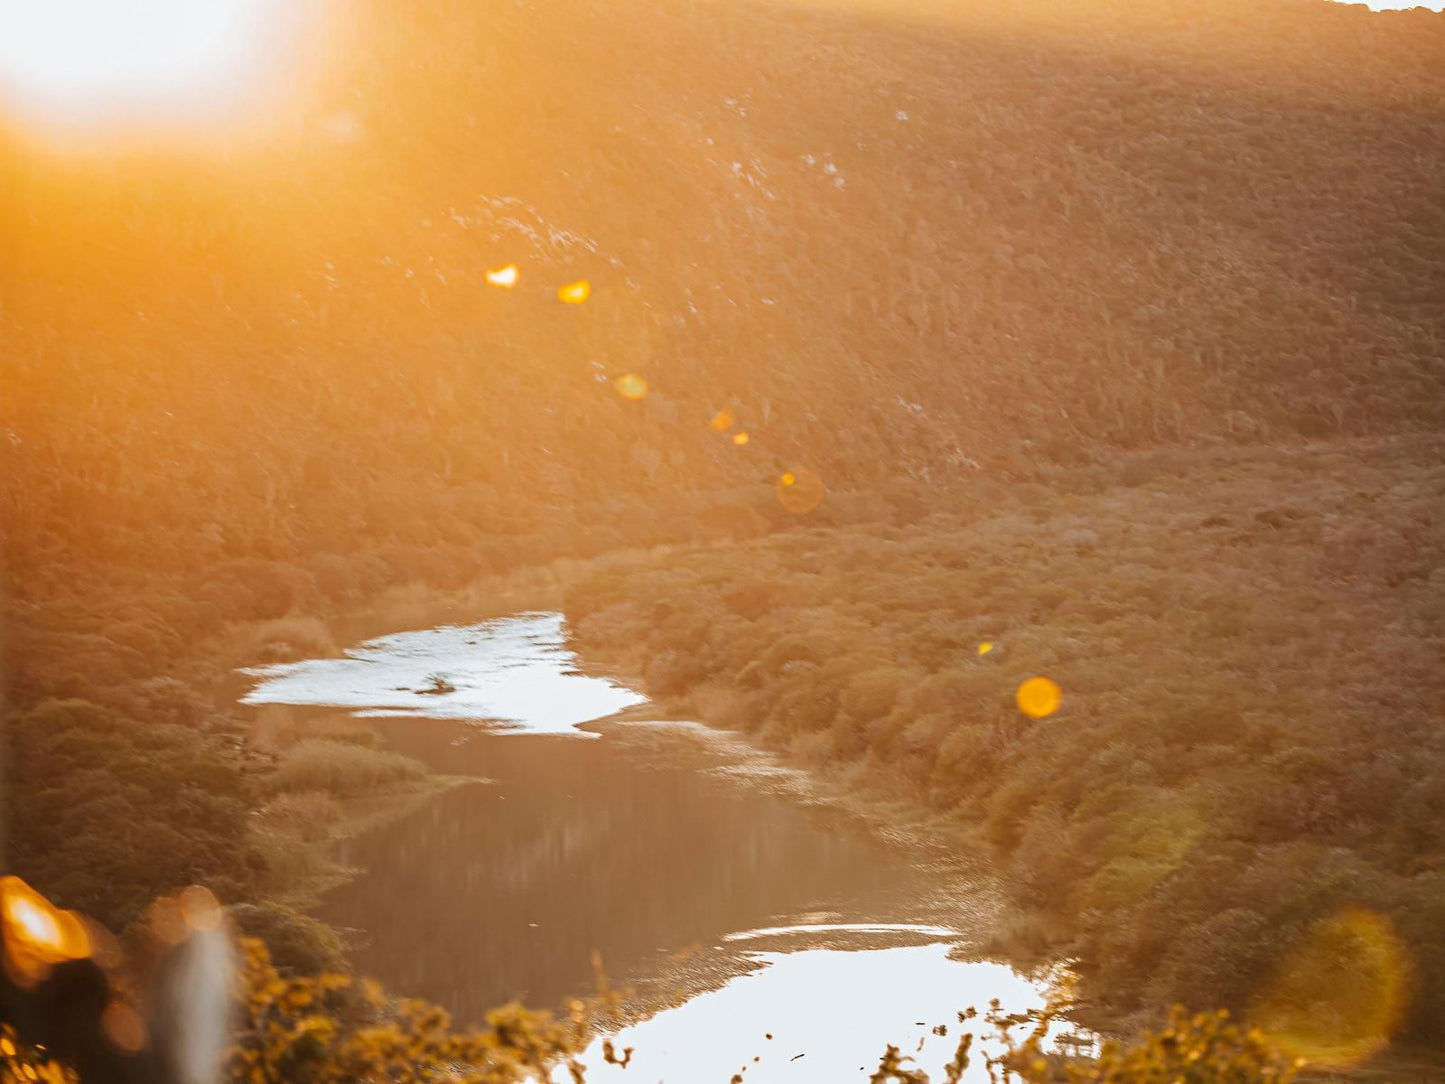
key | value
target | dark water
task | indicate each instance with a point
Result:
(625, 844)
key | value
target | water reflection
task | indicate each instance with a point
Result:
(821, 1016)
(514, 674)
(658, 850)
(503, 890)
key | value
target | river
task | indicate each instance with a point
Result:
(694, 867)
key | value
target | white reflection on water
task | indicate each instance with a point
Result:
(514, 673)
(843, 927)
(830, 1013)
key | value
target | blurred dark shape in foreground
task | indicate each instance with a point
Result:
(63, 977)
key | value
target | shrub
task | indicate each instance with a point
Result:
(284, 639)
(344, 768)
(298, 944)
(303, 814)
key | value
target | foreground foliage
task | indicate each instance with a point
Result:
(331, 1028)
(21, 1063)
(1205, 1048)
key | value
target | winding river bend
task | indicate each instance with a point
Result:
(688, 861)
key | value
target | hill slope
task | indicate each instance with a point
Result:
(893, 249)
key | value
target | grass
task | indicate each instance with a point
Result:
(344, 769)
(304, 815)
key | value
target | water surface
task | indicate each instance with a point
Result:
(742, 908)
(514, 674)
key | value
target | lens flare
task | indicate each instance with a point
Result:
(167, 922)
(123, 1027)
(1340, 991)
(33, 922)
(37, 935)
(504, 277)
(631, 386)
(575, 293)
(721, 422)
(799, 491)
(1038, 697)
(199, 908)
(740, 439)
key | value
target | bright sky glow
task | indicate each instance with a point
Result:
(80, 57)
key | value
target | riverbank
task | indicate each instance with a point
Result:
(298, 839)
(654, 837)
(933, 843)
(1215, 790)
(854, 653)
(734, 761)
(318, 778)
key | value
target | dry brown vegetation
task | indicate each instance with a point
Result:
(1250, 738)
(343, 768)
(283, 639)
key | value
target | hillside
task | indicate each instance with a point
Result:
(898, 251)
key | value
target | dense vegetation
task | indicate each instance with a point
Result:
(941, 260)
(329, 1027)
(1249, 740)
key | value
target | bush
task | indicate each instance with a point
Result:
(344, 769)
(298, 944)
(306, 815)
(284, 639)
(290, 727)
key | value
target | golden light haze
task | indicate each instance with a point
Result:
(834, 367)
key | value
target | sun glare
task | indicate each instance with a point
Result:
(504, 277)
(36, 935)
(77, 58)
